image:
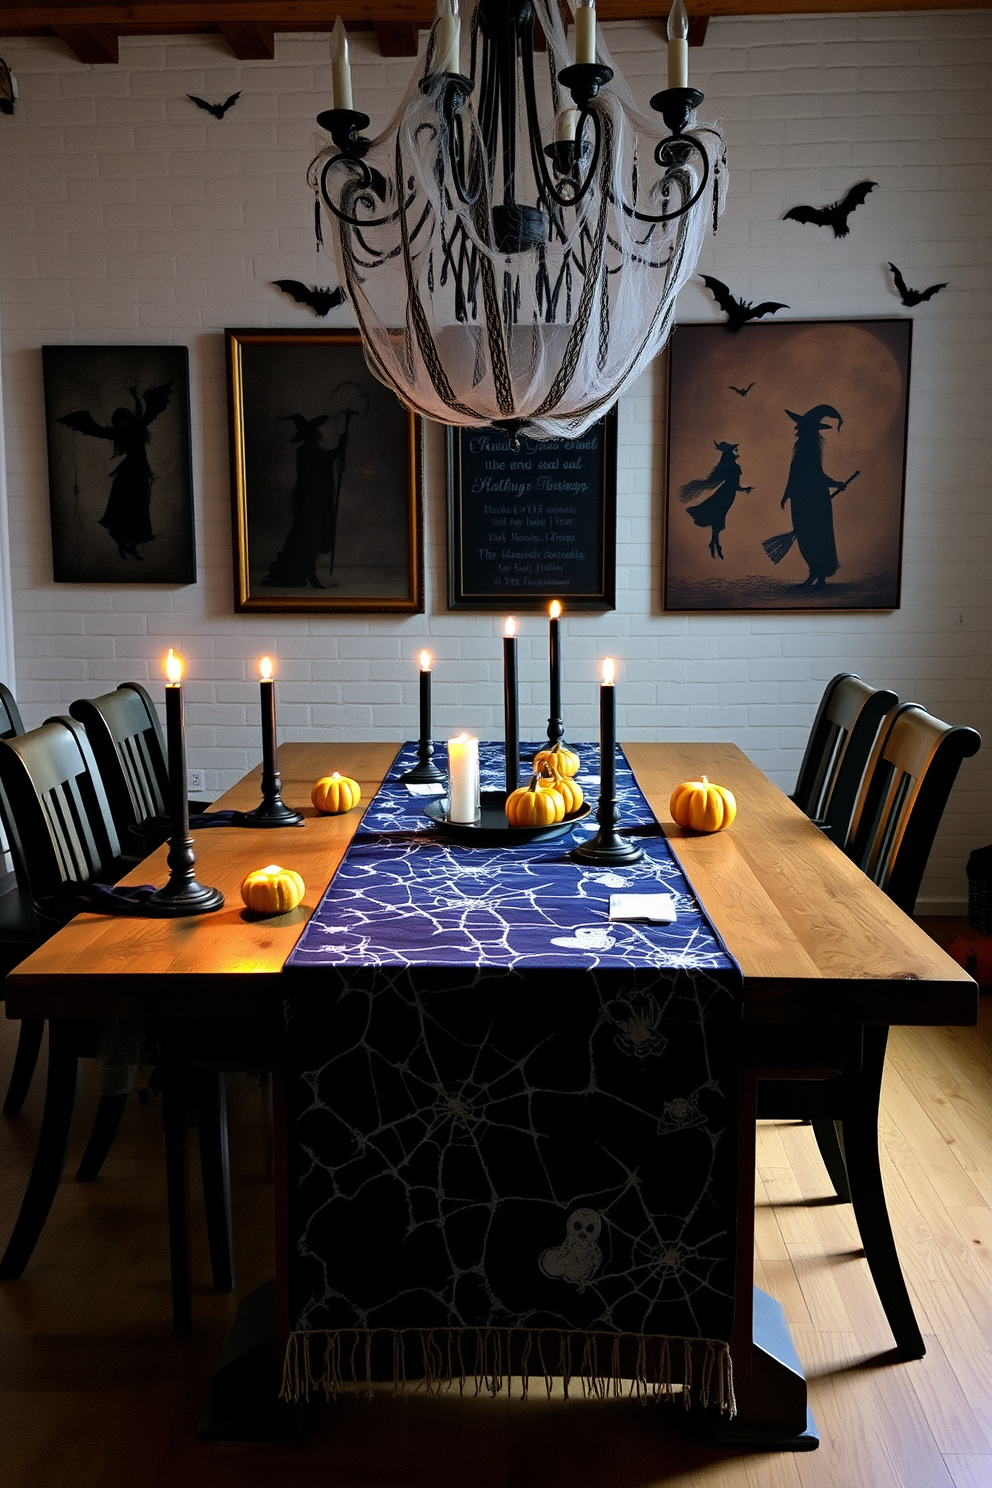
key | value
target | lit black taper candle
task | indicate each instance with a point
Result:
(608, 846)
(556, 726)
(182, 895)
(425, 771)
(273, 811)
(511, 715)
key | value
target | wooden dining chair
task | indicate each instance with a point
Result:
(125, 735)
(911, 773)
(62, 817)
(19, 932)
(844, 732)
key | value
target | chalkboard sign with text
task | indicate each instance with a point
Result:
(533, 524)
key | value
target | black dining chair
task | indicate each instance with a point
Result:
(62, 818)
(910, 776)
(844, 732)
(19, 932)
(125, 735)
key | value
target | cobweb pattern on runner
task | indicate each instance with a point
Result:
(483, 1138)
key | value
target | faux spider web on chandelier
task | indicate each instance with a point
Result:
(515, 281)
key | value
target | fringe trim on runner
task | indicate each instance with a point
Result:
(486, 1360)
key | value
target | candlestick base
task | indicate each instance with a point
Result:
(182, 896)
(272, 812)
(607, 847)
(423, 774)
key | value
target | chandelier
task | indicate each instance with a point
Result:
(513, 253)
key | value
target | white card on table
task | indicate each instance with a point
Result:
(659, 909)
(429, 788)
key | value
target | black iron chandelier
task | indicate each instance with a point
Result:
(513, 252)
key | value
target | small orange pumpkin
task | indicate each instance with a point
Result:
(702, 806)
(334, 794)
(534, 805)
(563, 761)
(272, 890)
(569, 790)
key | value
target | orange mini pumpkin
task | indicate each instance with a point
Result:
(563, 761)
(702, 806)
(334, 794)
(535, 805)
(272, 890)
(569, 790)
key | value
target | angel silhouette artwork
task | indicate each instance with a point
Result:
(127, 517)
(810, 493)
(316, 494)
(725, 477)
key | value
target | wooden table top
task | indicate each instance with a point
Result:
(816, 941)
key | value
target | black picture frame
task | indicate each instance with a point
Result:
(543, 526)
(120, 472)
(329, 518)
(748, 409)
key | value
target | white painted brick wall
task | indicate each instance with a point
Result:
(127, 215)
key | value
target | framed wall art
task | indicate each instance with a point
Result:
(531, 523)
(326, 478)
(119, 470)
(786, 465)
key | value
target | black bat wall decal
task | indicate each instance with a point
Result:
(743, 392)
(914, 296)
(217, 109)
(320, 298)
(739, 312)
(837, 213)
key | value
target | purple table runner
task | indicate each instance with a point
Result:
(511, 1123)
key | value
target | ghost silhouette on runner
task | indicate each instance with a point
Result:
(127, 517)
(712, 513)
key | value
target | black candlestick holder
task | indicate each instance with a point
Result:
(272, 810)
(607, 846)
(182, 895)
(424, 772)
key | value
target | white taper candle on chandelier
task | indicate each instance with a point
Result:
(585, 32)
(447, 39)
(463, 778)
(678, 46)
(340, 66)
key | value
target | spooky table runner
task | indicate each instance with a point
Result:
(511, 1124)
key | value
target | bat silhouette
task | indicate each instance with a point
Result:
(739, 312)
(836, 214)
(217, 109)
(320, 299)
(744, 391)
(914, 296)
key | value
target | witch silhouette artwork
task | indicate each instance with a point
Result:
(726, 478)
(316, 495)
(127, 516)
(810, 492)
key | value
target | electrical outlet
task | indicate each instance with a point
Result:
(195, 782)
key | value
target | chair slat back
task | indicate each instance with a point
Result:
(59, 807)
(10, 726)
(126, 737)
(10, 714)
(909, 780)
(837, 752)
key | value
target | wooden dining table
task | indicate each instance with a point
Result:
(822, 952)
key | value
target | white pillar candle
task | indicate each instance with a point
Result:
(463, 778)
(340, 67)
(585, 32)
(447, 38)
(678, 46)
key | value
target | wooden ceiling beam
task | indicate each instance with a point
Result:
(396, 38)
(91, 43)
(250, 41)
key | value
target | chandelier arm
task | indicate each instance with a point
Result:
(546, 184)
(687, 140)
(366, 184)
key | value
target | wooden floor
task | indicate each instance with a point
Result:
(98, 1394)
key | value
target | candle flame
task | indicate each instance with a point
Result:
(272, 868)
(265, 667)
(336, 775)
(609, 671)
(554, 609)
(425, 661)
(173, 666)
(510, 628)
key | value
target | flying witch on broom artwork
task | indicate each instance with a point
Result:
(810, 493)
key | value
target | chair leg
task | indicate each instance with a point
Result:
(860, 1138)
(53, 1143)
(173, 1084)
(215, 1172)
(25, 1059)
(828, 1141)
(105, 1125)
